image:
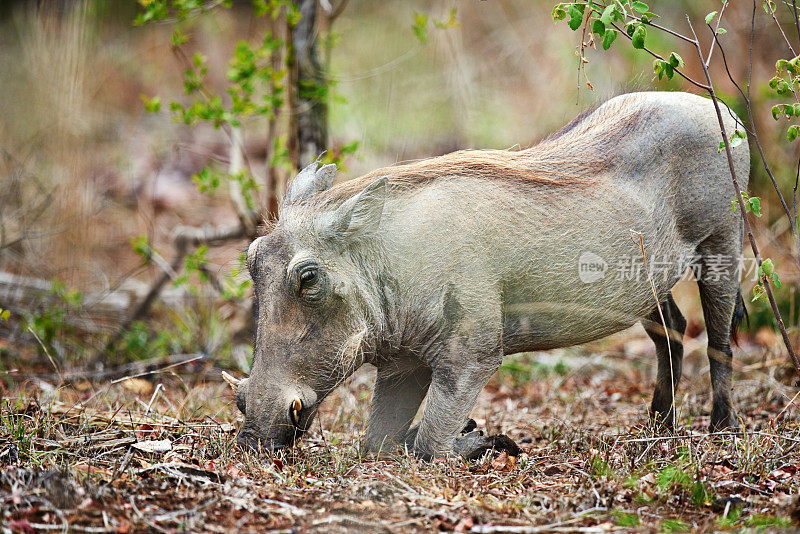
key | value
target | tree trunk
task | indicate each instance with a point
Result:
(310, 108)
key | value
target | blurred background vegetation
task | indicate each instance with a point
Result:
(91, 183)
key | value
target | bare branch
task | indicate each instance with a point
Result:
(684, 76)
(714, 32)
(778, 24)
(185, 238)
(738, 196)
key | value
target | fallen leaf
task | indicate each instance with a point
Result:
(21, 526)
(504, 462)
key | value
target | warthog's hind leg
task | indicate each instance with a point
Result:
(719, 291)
(669, 371)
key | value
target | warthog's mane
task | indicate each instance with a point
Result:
(568, 160)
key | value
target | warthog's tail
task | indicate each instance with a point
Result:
(739, 313)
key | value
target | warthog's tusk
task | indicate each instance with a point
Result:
(233, 382)
(297, 405)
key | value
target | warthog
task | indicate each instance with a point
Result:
(433, 271)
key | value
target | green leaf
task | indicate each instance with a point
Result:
(789, 66)
(141, 247)
(206, 180)
(575, 15)
(754, 204)
(737, 137)
(198, 60)
(559, 13)
(776, 280)
(598, 27)
(151, 105)
(638, 37)
(608, 38)
(5, 314)
(641, 7)
(676, 61)
(720, 31)
(179, 38)
(619, 13)
(658, 68)
(791, 133)
(776, 112)
(758, 292)
(774, 81)
(625, 519)
(420, 26)
(662, 68)
(607, 13)
(710, 17)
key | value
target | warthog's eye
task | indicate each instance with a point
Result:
(308, 278)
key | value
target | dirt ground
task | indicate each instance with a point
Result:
(157, 452)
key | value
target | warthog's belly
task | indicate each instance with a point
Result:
(548, 325)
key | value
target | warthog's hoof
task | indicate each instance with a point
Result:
(474, 445)
(662, 419)
(724, 422)
(469, 427)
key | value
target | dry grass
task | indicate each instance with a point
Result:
(83, 455)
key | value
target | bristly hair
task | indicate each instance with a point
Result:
(570, 159)
(582, 116)
(268, 225)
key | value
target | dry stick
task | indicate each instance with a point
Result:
(579, 51)
(247, 217)
(738, 195)
(271, 179)
(663, 323)
(185, 237)
(49, 357)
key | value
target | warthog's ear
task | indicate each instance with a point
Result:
(359, 215)
(309, 182)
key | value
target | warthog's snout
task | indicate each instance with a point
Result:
(274, 417)
(252, 442)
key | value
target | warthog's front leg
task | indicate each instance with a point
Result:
(395, 402)
(454, 389)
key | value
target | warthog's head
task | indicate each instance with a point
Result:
(313, 307)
